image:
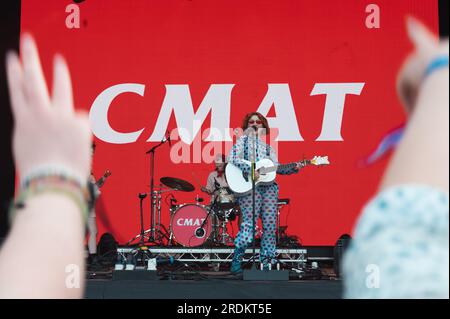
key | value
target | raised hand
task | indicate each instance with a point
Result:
(47, 131)
(427, 47)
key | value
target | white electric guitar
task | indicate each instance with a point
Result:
(241, 183)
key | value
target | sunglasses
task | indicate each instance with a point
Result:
(255, 122)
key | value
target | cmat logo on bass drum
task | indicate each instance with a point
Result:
(190, 221)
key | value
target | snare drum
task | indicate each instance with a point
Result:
(191, 226)
(225, 199)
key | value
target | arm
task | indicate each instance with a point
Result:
(237, 154)
(282, 170)
(423, 153)
(47, 234)
(46, 237)
(210, 184)
(406, 223)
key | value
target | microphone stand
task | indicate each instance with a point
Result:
(141, 198)
(254, 273)
(200, 232)
(152, 238)
(142, 232)
(253, 170)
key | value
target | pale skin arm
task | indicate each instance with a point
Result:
(206, 190)
(423, 153)
(46, 237)
(209, 188)
(47, 234)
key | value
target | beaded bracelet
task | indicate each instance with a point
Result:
(52, 169)
(60, 184)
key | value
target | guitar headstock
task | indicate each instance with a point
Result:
(107, 173)
(320, 160)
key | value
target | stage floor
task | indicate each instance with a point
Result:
(213, 289)
(201, 273)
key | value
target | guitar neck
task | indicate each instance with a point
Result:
(101, 181)
(292, 165)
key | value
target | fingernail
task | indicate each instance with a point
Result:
(9, 56)
(26, 37)
(411, 23)
(26, 42)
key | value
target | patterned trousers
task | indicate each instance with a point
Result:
(266, 198)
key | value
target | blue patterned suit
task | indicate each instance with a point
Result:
(266, 198)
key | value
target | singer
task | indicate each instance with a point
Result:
(266, 196)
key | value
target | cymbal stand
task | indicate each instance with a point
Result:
(152, 238)
(225, 237)
(164, 233)
(278, 221)
(142, 234)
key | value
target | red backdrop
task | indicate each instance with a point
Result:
(249, 44)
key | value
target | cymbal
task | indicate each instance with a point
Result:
(177, 184)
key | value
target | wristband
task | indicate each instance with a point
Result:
(436, 64)
(59, 184)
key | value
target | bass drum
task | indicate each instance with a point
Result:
(190, 225)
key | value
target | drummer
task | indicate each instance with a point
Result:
(216, 179)
(217, 185)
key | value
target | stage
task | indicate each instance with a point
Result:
(212, 289)
(203, 273)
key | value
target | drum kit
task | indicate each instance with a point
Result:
(192, 224)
